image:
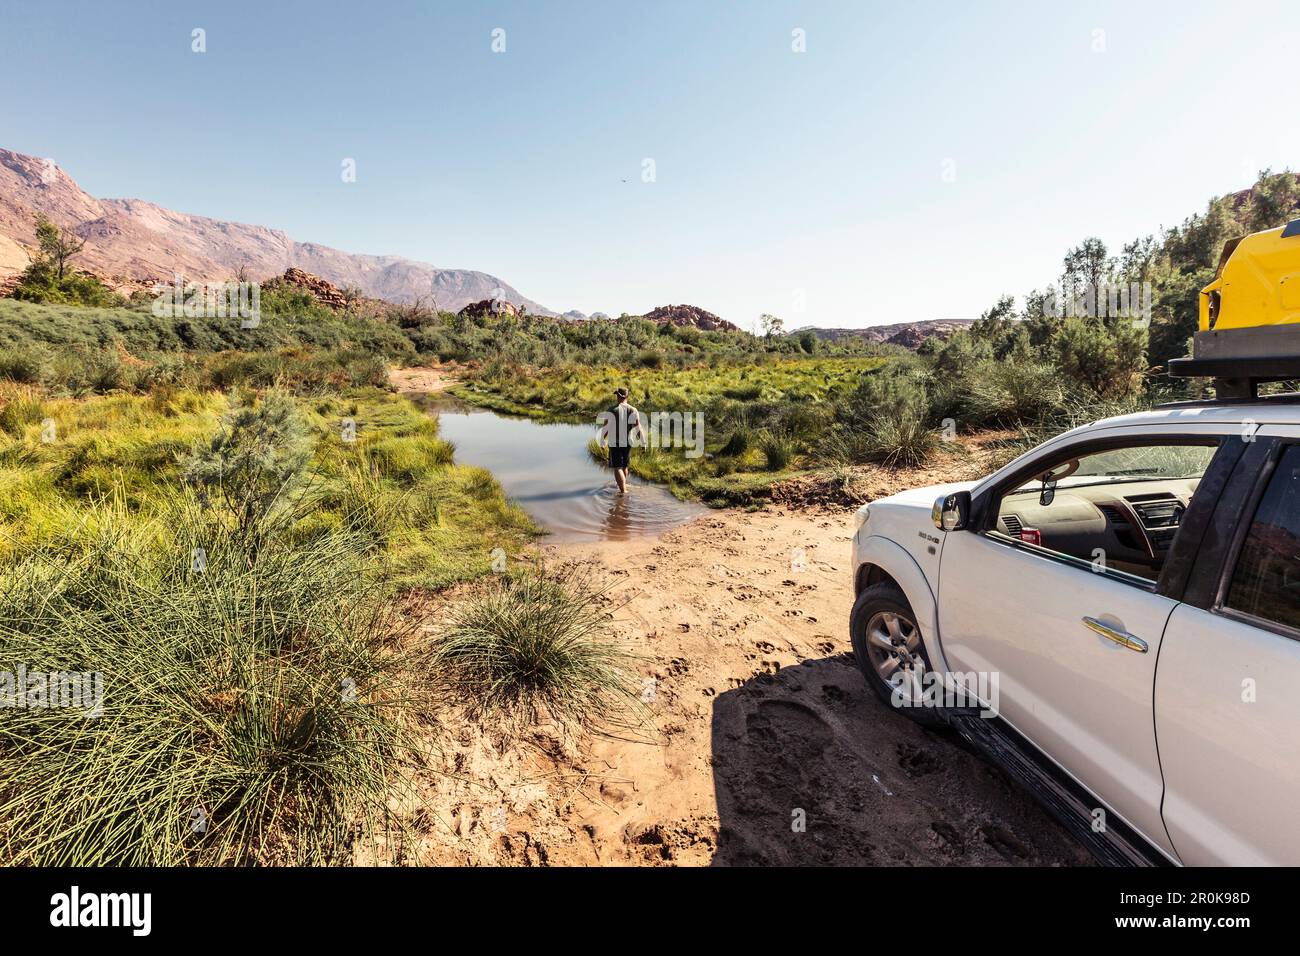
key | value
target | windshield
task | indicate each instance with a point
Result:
(1149, 463)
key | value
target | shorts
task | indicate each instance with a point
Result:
(619, 457)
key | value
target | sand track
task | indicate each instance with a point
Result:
(758, 721)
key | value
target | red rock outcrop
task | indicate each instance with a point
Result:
(327, 293)
(488, 307)
(690, 315)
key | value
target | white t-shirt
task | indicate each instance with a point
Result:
(625, 420)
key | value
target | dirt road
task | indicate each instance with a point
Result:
(421, 381)
(762, 744)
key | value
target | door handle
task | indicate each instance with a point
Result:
(1122, 638)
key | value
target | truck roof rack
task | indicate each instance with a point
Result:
(1238, 379)
(1281, 398)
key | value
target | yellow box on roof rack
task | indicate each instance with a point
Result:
(1258, 282)
(1250, 316)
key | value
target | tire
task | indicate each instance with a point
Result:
(883, 609)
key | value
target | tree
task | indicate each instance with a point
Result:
(1136, 258)
(1274, 200)
(994, 321)
(772, 326)
(1088, 265)
(57, 245)
(254, 466)
(1108, 360)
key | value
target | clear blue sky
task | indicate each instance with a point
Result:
(776, 171)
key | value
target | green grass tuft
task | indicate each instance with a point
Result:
(537, 646)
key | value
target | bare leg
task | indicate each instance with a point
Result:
(620, 475)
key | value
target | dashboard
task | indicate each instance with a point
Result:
(1131, 524)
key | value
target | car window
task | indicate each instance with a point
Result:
(1266, 581)
(1149, 462)
(1117, 510)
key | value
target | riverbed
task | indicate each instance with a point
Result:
(547, 469)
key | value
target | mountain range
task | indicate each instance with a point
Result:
(132, 243)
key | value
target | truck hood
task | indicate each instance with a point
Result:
(905, 520)
(924, 497)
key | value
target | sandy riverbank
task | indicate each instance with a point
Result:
(758, 713)
(756, 718)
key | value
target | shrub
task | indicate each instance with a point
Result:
(537, 645)
(1012, 392)
(22, 365)
(369, 510)
(1108, 359)
(900, 439)
(744, 393)
(845, 445)
(779, 451)
(408, 458)
(21, 408)
(650, 359)
(254, 464)
(104, 372)
(741, 440)
(253, 712)
(41, 283)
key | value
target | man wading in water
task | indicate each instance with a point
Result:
(620, 422)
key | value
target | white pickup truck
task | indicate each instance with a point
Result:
(1128, 595)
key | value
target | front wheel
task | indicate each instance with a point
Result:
(889, 651)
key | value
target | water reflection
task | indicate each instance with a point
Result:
(547, 469)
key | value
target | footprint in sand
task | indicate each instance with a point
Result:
(917, 761)
(1006, 843)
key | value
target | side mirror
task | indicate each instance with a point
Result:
(951, 512)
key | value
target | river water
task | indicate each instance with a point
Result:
(547, 469)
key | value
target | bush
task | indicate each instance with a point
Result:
(1107, 359)
(744, 393)
(845, 445)
(741, 440)
(408, 458)
(1014, 392)
(901, 439)
(537, 645)
(22, 365)
(251, 712)
(650, 359)
(779, 450)
(254, 465)
(21, 408)
(41, 283)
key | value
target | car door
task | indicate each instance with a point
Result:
(1072, 646)
(1227, 711)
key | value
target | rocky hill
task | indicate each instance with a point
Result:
(327, 293)
(690, 315)
(486, 307)
(909, 335)
(134, 243)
